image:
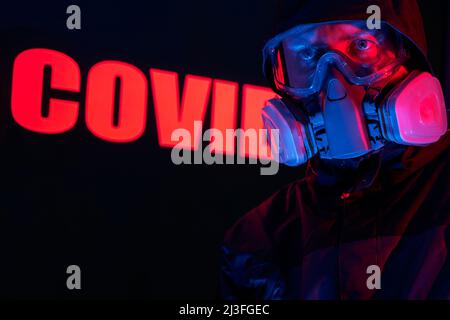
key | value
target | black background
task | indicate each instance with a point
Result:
(137, 225)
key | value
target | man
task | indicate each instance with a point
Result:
(370, 218)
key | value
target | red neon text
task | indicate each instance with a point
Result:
(116, 100)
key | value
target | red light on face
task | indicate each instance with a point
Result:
(132, 101)
(27, 86)
(169, 115)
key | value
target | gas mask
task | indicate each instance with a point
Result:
(339, 98)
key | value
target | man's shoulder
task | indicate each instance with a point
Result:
(257, 230)
(250, 251)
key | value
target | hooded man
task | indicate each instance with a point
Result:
(361, 107)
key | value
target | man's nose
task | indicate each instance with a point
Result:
(336, 86)
(344, 119)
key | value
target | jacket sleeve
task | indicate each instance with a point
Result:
(245, 276)
(248, 261)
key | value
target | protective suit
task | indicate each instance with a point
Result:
(371, 227)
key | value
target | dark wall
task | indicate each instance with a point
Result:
(137, 225)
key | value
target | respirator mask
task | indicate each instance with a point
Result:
(339, 100)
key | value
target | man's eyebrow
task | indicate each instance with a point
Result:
(361, 34)
(296, 43)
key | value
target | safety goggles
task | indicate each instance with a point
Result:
(300, 57)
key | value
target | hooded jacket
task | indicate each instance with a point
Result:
(334, 233)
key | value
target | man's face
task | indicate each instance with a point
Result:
(337, 62)
(366, 51)
(342, 87)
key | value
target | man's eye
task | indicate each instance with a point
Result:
(363, 45)
(307, 54)
(363, 49)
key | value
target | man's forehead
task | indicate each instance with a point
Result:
(327, 32)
